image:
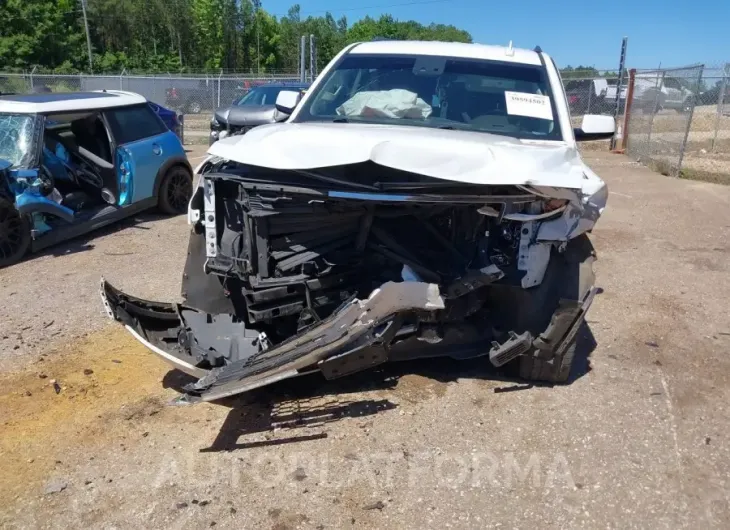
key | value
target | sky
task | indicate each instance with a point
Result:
(585, 32)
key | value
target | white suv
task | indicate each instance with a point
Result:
(422, 199)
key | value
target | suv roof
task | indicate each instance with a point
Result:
(449, 49)
(68, 101)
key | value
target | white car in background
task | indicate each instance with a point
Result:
(654, 90)
(422, 199)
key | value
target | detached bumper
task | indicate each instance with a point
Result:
(349, 340)
(132, 313)
(228, 358)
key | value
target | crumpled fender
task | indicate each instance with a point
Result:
(581, 213)
(28, 203)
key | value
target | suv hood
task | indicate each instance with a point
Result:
(460, 156)
(246, 115)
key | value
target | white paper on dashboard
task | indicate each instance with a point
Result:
(530, 105)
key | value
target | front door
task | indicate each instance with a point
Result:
(143, 144)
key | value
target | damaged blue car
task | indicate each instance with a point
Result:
(73, 162)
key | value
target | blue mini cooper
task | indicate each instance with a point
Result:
(74, 162)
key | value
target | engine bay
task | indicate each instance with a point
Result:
(289, 250)
(341, 269)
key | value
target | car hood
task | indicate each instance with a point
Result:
(246, 115)
(460, 156)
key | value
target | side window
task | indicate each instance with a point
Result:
(334, 92)
(129, 124)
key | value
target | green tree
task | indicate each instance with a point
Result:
(183, 35)
(40, 32)
(387, 27)
(579, 72)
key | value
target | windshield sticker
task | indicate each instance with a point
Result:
(530, 105)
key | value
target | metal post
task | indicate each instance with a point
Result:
(720, 100)
(311, 58)
(219, 88)
(655, 107)
(88, 38)
(302, 64)
(590, 96)
(257, 7)
(121, 81)
(683, 147)
(617, 102)
(627, 108)
(31, 77)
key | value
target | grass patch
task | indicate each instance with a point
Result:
(666, 168)
(661, 166)
(704, 176)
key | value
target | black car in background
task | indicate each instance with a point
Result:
(712, 96)
(195, 95)
(586, 96)
(256, 107)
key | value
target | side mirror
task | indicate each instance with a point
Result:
(279, 116)
(287, 100)
(595, 127)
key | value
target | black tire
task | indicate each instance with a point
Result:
(569, 276)
(175, 191)
(195, 107)
(555, 370)
(14, 234)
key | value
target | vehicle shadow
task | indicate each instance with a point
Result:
(294, 408)
(85, 242)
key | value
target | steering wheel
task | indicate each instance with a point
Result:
(89, 177)
(48, 183)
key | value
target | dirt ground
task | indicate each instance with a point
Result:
(639, 438)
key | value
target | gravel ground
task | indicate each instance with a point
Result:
(638, 439)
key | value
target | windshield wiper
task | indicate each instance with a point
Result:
(341, 120)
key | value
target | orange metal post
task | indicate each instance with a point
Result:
(627, 109)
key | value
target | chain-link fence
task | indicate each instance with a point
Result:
(193, 96)
(190, 94)
(679, 121)
(595, 94)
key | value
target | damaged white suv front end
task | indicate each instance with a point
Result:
(423, 199)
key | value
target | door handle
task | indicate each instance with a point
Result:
(156, 149)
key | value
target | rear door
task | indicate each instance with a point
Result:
(143, 144)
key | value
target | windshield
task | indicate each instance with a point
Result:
(17, 139)
(260, 96)
(477, 95)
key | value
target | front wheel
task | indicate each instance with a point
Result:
(175, 191)
(555, 370)
(14, 234)
(195, 107)
(554, 312)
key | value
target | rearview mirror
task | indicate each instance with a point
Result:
(287, 100)
(595, 127)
